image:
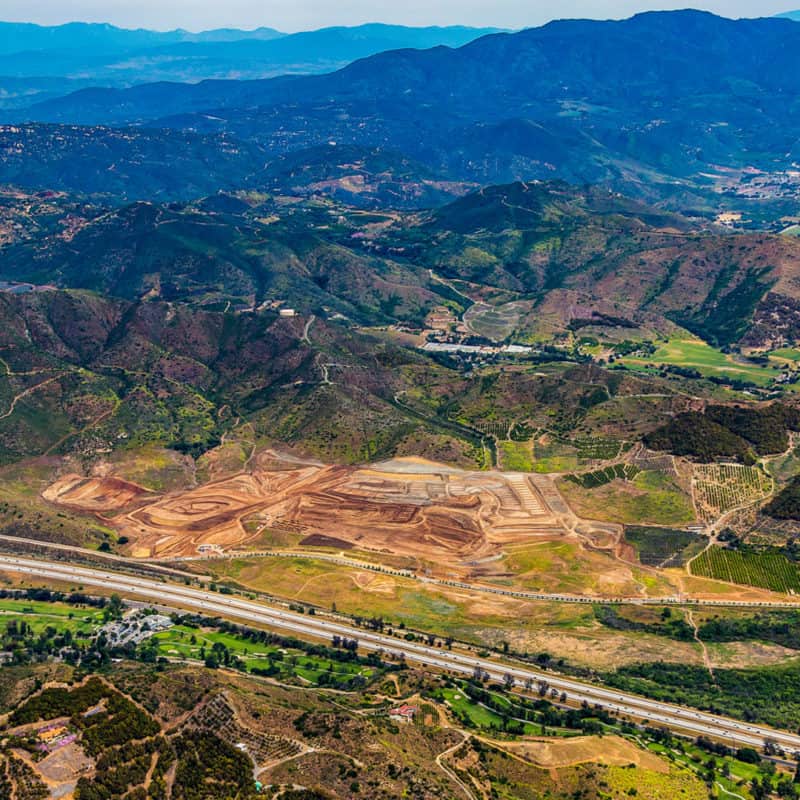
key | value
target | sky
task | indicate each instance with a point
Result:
(294, 15)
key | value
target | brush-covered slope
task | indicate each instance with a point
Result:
(88, 376)
(224, 251)
(590, 256)
(573, 257)
(135, 164)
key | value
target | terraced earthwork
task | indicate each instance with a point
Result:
(405, 507)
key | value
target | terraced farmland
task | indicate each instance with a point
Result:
(598, 447)
(600, 477)
(766, 570)
(494, 427)
(718, 488)
(219, 716)
(493, 322)
(663, 547)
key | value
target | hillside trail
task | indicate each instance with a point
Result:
(687, 567)
(93, 423)
(305, 338)
(30, 390)
(11, 373)
(449, 285)
(728, 791)
(706, 659)
(451, 773)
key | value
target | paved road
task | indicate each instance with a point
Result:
(210, 603)
(97, 554)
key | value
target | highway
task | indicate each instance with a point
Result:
(651, 712)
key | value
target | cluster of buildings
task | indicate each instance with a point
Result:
(404, 713)
(54, 736)
(474, 349)
(134, 628)
(441, 322)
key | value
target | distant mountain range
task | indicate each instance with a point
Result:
(37, 63)
(669, 106)
(19, 37)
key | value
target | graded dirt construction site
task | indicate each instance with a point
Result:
(93, 494)
(405, 507)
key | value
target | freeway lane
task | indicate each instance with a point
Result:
(210, 603)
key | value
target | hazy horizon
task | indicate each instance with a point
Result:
(286, 15)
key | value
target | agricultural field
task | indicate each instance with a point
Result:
(719, 488)
(663, 547)
(652, 497)
(553, 455)
(766, 570)
(494, 322)
(598, 448)
(494, 427)
(651, 460)
(698, 355)
(600, 477)
(516, 456)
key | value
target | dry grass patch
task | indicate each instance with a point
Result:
(609, 750)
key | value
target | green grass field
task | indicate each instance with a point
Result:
(190, 643)
(651, 497)
(554, 456)
(765, 570)
(486, 719)
(516, 456)
(57, 615)
(699, 355)
(786, 353)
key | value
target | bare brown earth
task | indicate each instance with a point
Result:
(93, 494)
(407, 506)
